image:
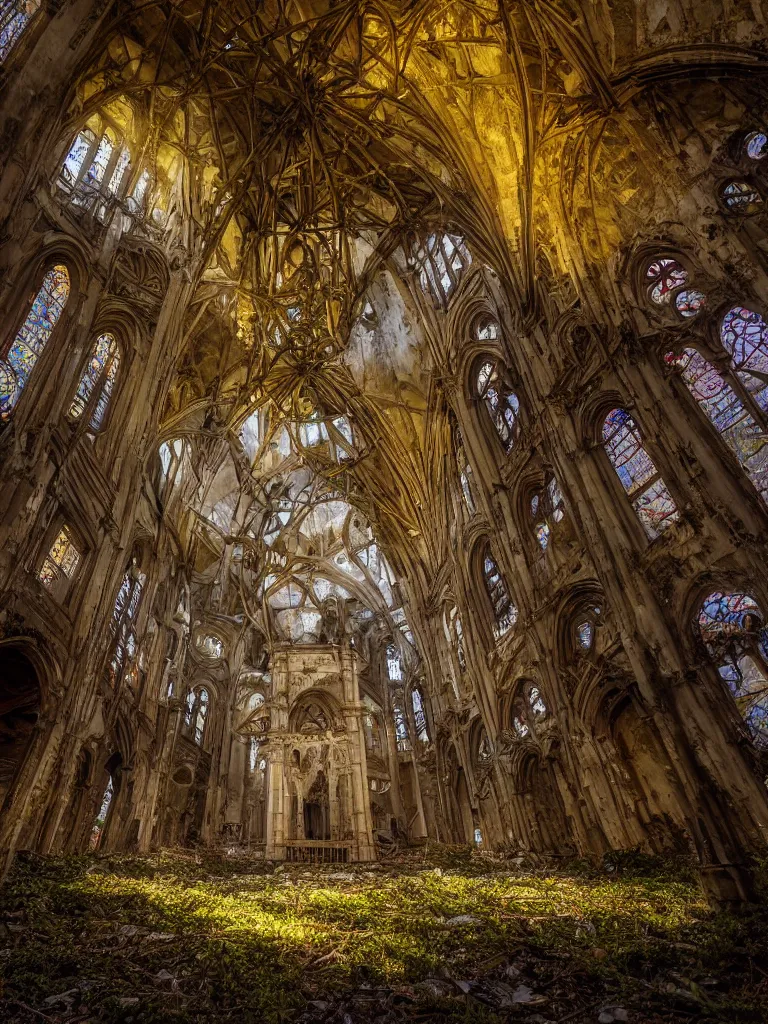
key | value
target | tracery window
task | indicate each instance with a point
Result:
(756, 145)
(732, 628)
(741, 197)
(667, 285)
(18, 362)
(504, 611)
(547, 508)
(94, 169)
(501, 403)
(419, 716)
(122, 622)
(97, 383)
(439, 263)
(394, 664)
(744, 335)
(738, 428)
(196, 713)
(649, 495)
(60, 564)
(15, 15)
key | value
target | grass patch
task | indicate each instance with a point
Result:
(177, 938)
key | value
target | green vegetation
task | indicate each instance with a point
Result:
(178, 938)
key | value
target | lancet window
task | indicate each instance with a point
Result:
(547, 508)
(123, 621)
(465, 476)
(649, 495)
(504, 611)
(15, 15)
(97, 383)
(401, 727)
(19, 360)
(196, 713)
(735, 424)
(419, 716)
(501, 403)
(732, 628)
(60, 564)
(394, 664)
(94, 169)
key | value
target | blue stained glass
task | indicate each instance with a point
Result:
(32, 337)
(738, 428)
(542, 535)
(756, 145)
(744, 335)
(651, 500)
(100, 373)
(15, 15)
(74, 160)
(666, 275)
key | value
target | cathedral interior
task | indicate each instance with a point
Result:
(384, 430)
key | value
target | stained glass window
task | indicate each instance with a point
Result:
(502, 404)
(401, 726)
(15, 15)
(746, 439)
(731, 626)
(32, 338)
(98, 381)
(520, 727)
(394, 664)
(73, 164)
(648, 493)
(61, 561)
(756, 145)
(439, 264)
(745, 338)
(585, 633)
(547, 508)
(740, 196)
(419, 716)
(664, 275)
(689, 302)
(504, 611)
(538, 707)
(123, 618)
(196, 713)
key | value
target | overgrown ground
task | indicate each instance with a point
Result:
(444, 935)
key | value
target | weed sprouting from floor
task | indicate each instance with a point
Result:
(172, 937)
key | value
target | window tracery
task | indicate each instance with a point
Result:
(122, 621)
(15, 16)
(732, 628)
(97, 383)
(419, 716)
(547, 508)
(741, 197)
(504, 611)
(94, 169)
(744, 335)
(19, 361)
(60, 564)
(647, 492)
(667, 285)
(196, 713)
(501, 403)
(738, 428)
(439, 264)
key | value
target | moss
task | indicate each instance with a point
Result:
(203, 938)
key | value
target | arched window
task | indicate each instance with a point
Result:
(584, 626)
(419, 716)
(733, 631)
(504, 611)
(501, 403)
(756, 145)
(27, 347)
(737, 427)
(95, 167)
(741, 197)
(667, 286)
(651, 500)
(97, 383)
(439, 263)
(744, 335)
(196, 713)
(60, 564)
(394, 663)
(15, 15)
(123, 619)
(547, 508)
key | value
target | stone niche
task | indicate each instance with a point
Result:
(318, 808)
